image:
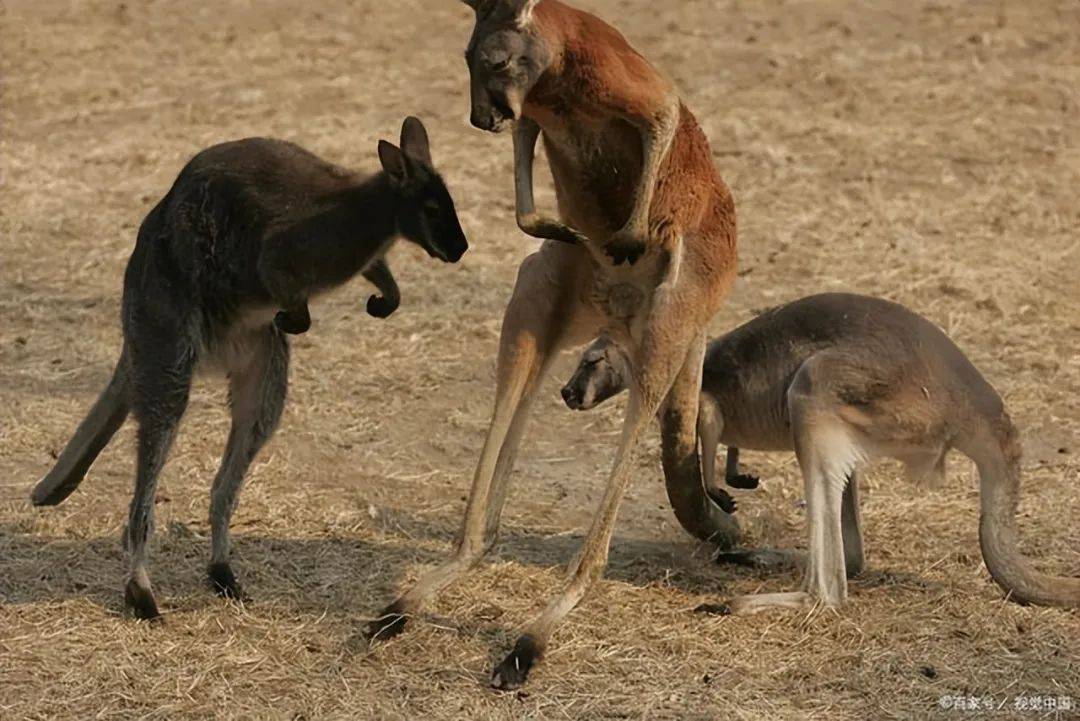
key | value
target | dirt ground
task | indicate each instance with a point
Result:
(927, 152)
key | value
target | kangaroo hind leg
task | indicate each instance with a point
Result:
(258, 381)
(543, 317)
(851, 527)
(162, 368)
(770, 559)
(828, 450)
(667, 370)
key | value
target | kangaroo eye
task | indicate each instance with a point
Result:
(500, 64)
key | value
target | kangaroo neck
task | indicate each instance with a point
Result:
(369, 210)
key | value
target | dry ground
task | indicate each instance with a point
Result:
(928, 152)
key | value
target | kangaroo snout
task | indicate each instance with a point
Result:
(492, 111)
(482, 120)
(573, 397)
(454, 253)
(449, 246)
(489, 120)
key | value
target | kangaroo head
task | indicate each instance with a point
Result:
(425, 211)
(599, 376)
(506, 57)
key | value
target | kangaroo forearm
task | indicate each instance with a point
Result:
(657, 135)
(733, 477)
(731, 468)
(631, 241)
(381, 306)
(378, 274)
(526, 133)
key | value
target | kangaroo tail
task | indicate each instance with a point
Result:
(92, 435)
(695, 510)
(998, 460)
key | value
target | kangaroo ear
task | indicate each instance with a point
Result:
(523, 10)
(414, 141)
(393, 162)
(478, 6)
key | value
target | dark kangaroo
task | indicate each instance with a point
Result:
(248, 228)
(842, 380)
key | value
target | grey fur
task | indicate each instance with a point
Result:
(841, 380)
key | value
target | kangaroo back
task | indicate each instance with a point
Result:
(92, 435)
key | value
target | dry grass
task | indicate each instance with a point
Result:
(928, 152)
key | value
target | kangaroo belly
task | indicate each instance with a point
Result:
(754, 424)
(234, 344)
(596, 169)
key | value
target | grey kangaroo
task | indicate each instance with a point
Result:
(841, 380)
(600, 374)
(223, 264)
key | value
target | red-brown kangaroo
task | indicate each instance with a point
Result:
(644, 254)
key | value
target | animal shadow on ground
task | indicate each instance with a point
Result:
(337, 575)
(308, 574)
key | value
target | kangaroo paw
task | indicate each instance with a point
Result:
(390, 623)
(743, 480)
(723, 499)
(224, 582)
(140, 600)
(292, 323)
(380, 307)
(514, 669)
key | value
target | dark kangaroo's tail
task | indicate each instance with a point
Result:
(92, 435)
(998, 460)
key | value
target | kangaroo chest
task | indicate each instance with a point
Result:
(596, 167)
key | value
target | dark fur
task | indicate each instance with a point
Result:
(248, 227)
(390, 623)
(514, 669)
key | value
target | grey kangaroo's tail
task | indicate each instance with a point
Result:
(998, 460)
(92, 435)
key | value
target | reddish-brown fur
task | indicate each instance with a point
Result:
(596, 78)
(598, 82)
(643, 253)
